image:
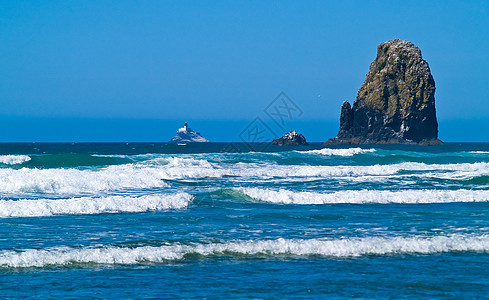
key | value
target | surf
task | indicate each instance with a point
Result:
(93, 205)
(424, 196)
(352, 247)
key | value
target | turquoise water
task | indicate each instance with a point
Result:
(169, 221)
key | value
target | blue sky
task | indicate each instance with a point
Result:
(136, 70)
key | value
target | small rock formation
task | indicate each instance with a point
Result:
(396, 103)
(291, 139)
(187, 135)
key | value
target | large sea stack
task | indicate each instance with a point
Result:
(396, 103)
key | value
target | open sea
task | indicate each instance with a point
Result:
(143, 220)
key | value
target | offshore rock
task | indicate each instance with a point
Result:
(187, 135)
(291, 139)
(396, 103)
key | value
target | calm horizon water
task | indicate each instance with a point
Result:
(157, 220)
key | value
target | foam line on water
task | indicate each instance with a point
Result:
(14, 159)
(73, 181)
(345, 247)
(385, 152)
(366, 196)
(144, 175)
(89, 205)
(443, 171)
(112, 178)
(339, 152)
(190, 168)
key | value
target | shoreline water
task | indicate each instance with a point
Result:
(162, 220)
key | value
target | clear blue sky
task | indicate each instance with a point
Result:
(136, 70)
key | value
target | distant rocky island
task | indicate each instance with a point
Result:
(187, 135)
(291, 138)
(395, 104)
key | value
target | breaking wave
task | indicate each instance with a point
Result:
(345, 247)
(88, 205)
(367, 196)
(151, 174)
(72, 181)
(444, 171)
(340, 152)
(14, 159)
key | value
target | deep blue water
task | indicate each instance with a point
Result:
(195, 221)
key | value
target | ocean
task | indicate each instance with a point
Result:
(141, 220)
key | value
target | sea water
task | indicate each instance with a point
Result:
(195, 221)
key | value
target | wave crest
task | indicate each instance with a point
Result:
(139, 176)
(340, 152)
(346, 247)
(88, 205)
(366, 196)
(14, 159)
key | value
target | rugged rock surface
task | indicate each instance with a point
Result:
(291, 139)
(187, 135)
(396, 103)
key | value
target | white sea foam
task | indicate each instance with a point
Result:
(89, 205)
(14, 159)
(149, 175)
(446, 171)
(346, 247)
(366, 196)
(340, 152)
(118, 177)
(188, 162)
(73, 181)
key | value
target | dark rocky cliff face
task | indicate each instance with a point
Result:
(396, 103)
